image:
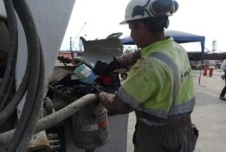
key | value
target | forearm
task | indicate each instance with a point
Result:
(114, 104)
(129, 59)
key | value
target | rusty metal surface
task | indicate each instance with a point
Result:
(39, 142)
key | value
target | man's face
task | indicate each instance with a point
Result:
(136, 33)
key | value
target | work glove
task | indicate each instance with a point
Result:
(96, 90)
(102, 67)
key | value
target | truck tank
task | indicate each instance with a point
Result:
(40, 120)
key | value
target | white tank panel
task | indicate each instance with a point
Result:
(2, 9)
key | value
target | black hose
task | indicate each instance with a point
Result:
(35, 113)
(17, 97)
(33, 101)
(6, 82)
(12, 105)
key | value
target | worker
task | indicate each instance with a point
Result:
(223, 68)
(159, 86)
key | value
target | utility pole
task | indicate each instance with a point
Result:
(72, 54)
(71, 44)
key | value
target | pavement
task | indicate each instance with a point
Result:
(209, 114)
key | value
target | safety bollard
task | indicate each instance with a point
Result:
(211, 72)
(205, 71)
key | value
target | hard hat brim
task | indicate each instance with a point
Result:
(123, 22)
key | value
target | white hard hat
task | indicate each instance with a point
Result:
(138, 9)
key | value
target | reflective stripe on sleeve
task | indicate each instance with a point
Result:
(127, 98)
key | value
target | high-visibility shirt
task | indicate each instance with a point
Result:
(223, 65)
(161, 82)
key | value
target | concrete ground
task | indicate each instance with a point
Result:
(209, 114)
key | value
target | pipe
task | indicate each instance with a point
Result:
(54, 118)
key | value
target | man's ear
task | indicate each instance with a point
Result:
(142, 27)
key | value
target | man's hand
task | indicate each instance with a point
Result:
(96, 90)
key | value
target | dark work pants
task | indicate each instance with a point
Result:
(176, 138)
(223, 92)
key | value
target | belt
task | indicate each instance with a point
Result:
(159, 122)
(180, 125)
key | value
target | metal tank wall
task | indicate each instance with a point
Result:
(51, 18)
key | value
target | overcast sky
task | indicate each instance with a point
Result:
(99, 18)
